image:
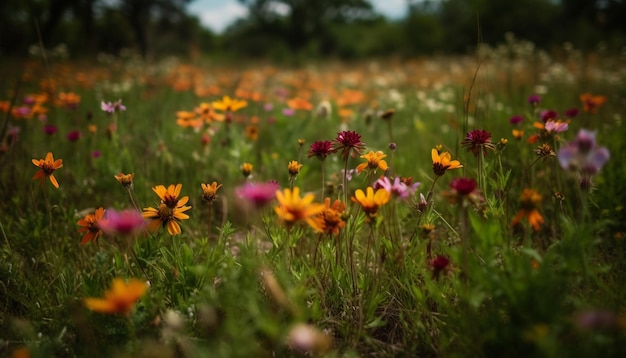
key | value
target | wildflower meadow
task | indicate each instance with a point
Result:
(448, 206)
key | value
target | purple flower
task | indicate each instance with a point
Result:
(534, 99)
(95, 154)
(348, 174)
(73, 136)
(583, 156)
(50, 129)
(125, 223)
(571, 113)
(268, 106)
(259, 194)
(398, 188)
(28, 100)
(516, 119)
(596, 319)
(548, 114)
(112, 107)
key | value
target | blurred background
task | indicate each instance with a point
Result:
(303, 29)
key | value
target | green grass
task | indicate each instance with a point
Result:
(240, 289)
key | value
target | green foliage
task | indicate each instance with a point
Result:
(450, 276)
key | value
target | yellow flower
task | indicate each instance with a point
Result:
(294, 168)
(246, 169)
(330, 220)
(90, 225)
(206, 112)
(170, 195)
(209, 191)
(529, 201)
(371, 202)
(120, 298)
(228, 104)
(170, 211)
(48, 166)
(125, 179)
(442, 162)
(373, 161)
(164, 216)
(293, 209)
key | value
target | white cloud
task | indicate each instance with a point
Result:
(217, 15)
(393, 9)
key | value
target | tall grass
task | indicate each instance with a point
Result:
(448, 276)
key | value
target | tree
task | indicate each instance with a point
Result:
(299, 23)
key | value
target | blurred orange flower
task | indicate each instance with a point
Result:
(48, 166)
(120, 298)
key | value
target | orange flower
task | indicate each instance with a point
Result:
(206, 112)
(373, 161)
(48, 166)
(170, 195)
(246, 169)
(330, 220)
(169, 212)
(529, 201)
(293, 209)
(209, 191)
(164, 216)
(252, 132)
(591, 103)
(294, 168)
(120, 298)
(299, 104)
(125, 179)
(442, 162)
(228, 104)
(371, 202)
(69, 100)
(90, 225)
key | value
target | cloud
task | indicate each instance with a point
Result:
(393, 9)
(218, 16)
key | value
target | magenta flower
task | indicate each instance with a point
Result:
(463, 186)
(516, 119)
(349, 143)
(320, 149)
(438, 265)
(571, 113)
(124, 223)
(50, 129)
(548, 114)
(95, 154)
(477, 141)
(258, 194)
(397, 188)
(268, 107)
(534, 99)
(73, 136)
(112, 107)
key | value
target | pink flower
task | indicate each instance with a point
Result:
(397, 188)
(259, 194)
(553, 126)
(125, 223)
(112, 107)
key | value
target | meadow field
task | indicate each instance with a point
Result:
(442, 206)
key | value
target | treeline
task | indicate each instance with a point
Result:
(282, 29)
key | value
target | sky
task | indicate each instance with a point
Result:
(218, 14)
